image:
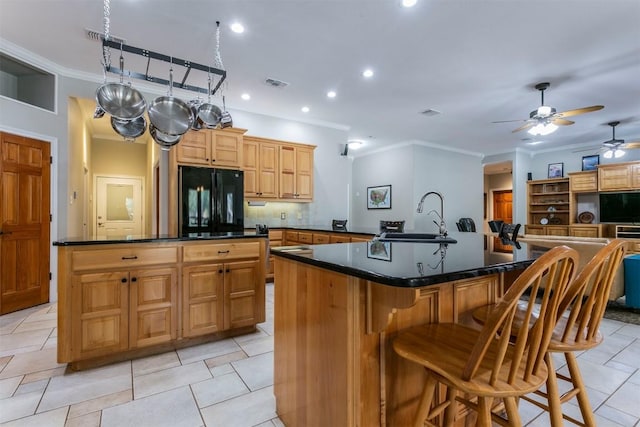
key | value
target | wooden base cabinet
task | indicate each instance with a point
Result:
(119, 301)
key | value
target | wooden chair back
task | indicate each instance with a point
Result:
(518, 355)
(586, 312)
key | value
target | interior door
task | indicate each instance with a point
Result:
(24, 222)
(502, 210)
(119, 207)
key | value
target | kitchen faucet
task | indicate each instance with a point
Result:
(442, 227)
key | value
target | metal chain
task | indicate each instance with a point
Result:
(107, 36)
(218, 59)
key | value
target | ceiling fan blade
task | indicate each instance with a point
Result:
(523, 127)
(510, 121)
(562, 122)
(592, 149)
(631, 145)
(577, 111)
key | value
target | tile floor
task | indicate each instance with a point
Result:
(228, 383)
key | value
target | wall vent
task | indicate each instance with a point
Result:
(276, 83)
(430, 112)
(98, 36)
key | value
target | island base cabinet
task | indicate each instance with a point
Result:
(122, 310)
(334, 361)
(220, 296)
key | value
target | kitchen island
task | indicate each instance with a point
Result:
(131, 296)
(338, 307)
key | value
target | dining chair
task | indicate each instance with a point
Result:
(581, 309)
(393, 226)
(489, 363)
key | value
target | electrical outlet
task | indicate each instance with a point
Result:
(283, 215)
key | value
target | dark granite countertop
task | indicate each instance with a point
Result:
(407, 264)
(161, 238)
(327, 228)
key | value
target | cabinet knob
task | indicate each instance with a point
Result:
(123, 280)
(227, 270)
(220, 271)
(134, 279)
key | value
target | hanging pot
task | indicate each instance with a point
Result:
(225, 119)
(209, 114)
(121, 100)
(194, 104)
(164, 140)
(98, 113)
(129, 129)
(169, 114)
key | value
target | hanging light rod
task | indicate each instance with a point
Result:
(165, 58)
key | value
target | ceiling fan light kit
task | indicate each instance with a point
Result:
(543, 129)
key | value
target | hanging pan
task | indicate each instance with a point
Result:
(169, 114)
(164, 140)
(120, 100)
(209, 114)
(129, 129)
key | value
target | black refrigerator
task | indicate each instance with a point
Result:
(211, 200)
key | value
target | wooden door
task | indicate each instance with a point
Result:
(502, 210)
(119, 206)
(226, 149)
(240, 283)
(250, 167)
(24, 222)
(193, 149)
(153, 306)
(202, 296)
(287, 172)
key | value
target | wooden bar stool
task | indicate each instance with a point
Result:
(577, 330)
(491, 363)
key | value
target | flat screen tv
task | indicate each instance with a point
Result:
(620, 207)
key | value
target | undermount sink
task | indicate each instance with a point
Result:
(415, 238)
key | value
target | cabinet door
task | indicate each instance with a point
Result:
(152, 302)
(250, 167)
(226, 149)
(584, 182)
(635, 177)
(202, 296)
(614, 178)
(99, 304)
(304, 173)
(240, 284)
(287, 172)
(193, 149)
(577, 231)
(268, 170)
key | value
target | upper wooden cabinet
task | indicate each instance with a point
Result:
(260, 166)
(296, 172)
(212, 148)
(619, 177)
(584, 182)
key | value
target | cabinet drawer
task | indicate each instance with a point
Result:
(583, 231)
(634, 246)
(319, 239)
(340, 239)
(275, 234)
(291, 237)
(123, 257)
(305, 237)
(221, 251)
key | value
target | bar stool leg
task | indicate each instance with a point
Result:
(553, 394)
(484, 411)
(583, 398)
(425, 400)
(511, 405)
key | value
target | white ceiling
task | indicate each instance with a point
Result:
(475, 61)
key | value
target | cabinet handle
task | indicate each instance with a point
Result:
(220, 271)
(134, 279)
(5, 232)
(123, 280)
(223, 252)
(129, 257)
(227, 270)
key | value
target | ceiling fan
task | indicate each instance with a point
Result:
(545, 120)
(614, 147)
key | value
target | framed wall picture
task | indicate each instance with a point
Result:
(379, 250)
(590, 163)
(379, 197)
(556, 170)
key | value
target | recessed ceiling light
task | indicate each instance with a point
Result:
(354, 144)
(245, 96)
(305, 109)
(409, 3)
(367, 73)
(237, 27)
(331, 94)
(534, 142)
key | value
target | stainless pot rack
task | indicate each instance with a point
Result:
(170, 59)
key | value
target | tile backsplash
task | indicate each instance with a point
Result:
(272, 214)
